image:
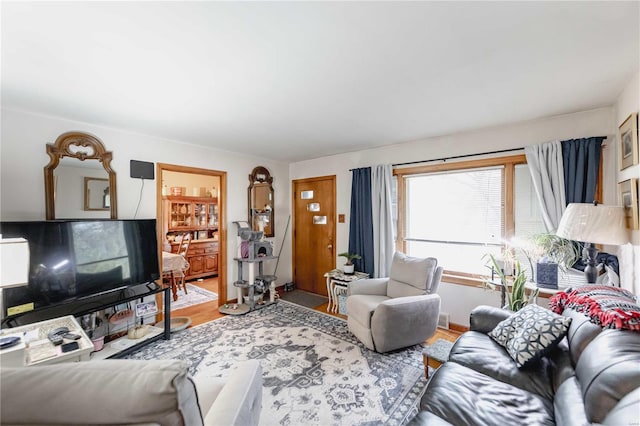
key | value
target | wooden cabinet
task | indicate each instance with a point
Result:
(197, 216)
(202, 258)
(211, 262)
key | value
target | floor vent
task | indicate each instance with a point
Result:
(443, 320)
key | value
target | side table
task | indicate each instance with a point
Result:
(338, 284)
(39, 350)
(435, 355)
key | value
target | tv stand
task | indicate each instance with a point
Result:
(90, 304)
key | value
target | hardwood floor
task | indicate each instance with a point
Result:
(208, 311)
(203, 312)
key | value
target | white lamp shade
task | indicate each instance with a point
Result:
(14, 262)
(597, 224)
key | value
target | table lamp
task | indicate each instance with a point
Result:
(593, 224)
(14, 265)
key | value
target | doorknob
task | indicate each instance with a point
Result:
(330, 246)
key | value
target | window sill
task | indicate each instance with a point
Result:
(467, 280)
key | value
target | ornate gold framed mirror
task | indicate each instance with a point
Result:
(261, 201)
(77, 158)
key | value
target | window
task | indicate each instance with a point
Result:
(460, 212)
(457, 215)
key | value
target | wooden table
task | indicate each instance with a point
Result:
(435, 355)
(175, 266)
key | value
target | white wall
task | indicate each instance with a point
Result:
(456, 300)
(23, 157)
(628, 102)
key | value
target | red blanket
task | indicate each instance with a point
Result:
(610, 307)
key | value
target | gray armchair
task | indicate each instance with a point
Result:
(399, 311)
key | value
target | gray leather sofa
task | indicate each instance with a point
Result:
(591, 377)
(131, 392)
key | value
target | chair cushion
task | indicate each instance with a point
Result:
(410, 276)
(463, 396)
(480, 353)
(361, 307)
(530, 333)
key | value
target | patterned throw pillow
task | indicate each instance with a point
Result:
(530, 333)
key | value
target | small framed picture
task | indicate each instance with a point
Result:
(146, 308)
(629, 141)
(628, 191)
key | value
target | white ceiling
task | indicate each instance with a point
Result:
(299, 80)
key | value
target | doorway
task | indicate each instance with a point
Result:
(191, 203)
(314, 230)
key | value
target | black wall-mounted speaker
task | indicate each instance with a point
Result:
(142, 170)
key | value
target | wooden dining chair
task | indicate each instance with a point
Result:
(183, 250)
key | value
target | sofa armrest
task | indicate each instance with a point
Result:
(403, 321)
(371, 286)
(240, 400)
(109, 392)
(484, 318)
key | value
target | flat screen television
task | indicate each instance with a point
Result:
(73, 259)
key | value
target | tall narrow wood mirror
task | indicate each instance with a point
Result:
(75, 159)
(261, 208)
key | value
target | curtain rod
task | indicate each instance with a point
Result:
(453, 157)
(465, 155)
(458, 156)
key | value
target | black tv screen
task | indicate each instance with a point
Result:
(72, 259)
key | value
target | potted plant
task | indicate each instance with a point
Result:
(349, 268)
(562, 251)
(514, 296)
(549, 250)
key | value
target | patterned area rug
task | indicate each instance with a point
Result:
(195, 296)
(315, 372)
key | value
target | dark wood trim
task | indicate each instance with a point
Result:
(508, 208)
(466, 281)
(457, 327)
(508, 175)
(472, 164)
(222, 218)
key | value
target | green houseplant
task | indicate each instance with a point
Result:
(348, 266)
(562, 251)
(555, 249)
(512, 288)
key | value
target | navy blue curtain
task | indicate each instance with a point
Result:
(581, 161)
(361, 220)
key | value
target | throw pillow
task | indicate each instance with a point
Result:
(610, 307)
(530, 333)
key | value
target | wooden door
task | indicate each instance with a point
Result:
(314, 229)
(216, 219)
